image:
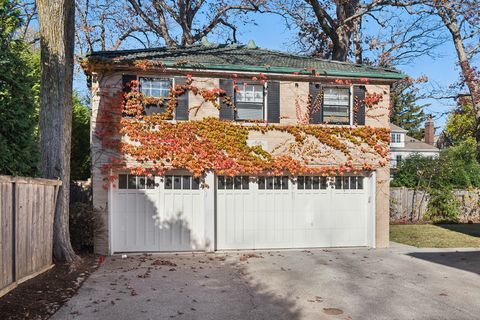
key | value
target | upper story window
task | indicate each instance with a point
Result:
(250, 102)
(396, 137)
(155, 87)
(336, 105)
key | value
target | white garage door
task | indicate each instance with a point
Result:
(157, 214)
(276, 213)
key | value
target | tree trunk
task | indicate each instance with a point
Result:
(357, 40)
(57, 30)
(341, 45)
(471, 82)
(450, 19)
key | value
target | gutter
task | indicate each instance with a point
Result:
(394, 76)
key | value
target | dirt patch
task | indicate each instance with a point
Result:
(43, 295)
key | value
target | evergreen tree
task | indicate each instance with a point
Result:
(406, 112)
(80, 151)
(19, 78)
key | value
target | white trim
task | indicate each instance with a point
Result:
(110, 218)
(373, 213)
(352, 102)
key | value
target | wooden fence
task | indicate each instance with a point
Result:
(27, 208)
(409, 205)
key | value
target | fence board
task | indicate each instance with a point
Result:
(26, 234)
(6, 275)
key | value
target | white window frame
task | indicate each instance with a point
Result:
(350, 107)
(264, 109)
(172, 82)
(396, 137)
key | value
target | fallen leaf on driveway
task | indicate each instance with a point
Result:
(160, 262)
(247, 256)
(332, 311)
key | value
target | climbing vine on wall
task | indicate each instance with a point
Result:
(152, 144)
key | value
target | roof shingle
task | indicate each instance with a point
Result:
(244, 58)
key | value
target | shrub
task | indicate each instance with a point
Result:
(85, 221)
(443, 206)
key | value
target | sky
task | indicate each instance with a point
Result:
(270, 32)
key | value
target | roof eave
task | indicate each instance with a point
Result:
(260, 69)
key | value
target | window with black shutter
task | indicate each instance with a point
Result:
(336, 105)
(158, 88)
(250, 101)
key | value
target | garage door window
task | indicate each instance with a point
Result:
(348, 183)
(182, 182)
(311, 182)
(130, 181)
(236, 183)
(273, 183)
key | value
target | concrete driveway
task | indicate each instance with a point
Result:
(397, 283)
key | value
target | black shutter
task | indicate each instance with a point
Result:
(181, 111)
(316, 116)
(226, 111)
(359, 110)
(273, 102)
(126, 79)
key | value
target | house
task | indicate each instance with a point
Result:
(402, 145)
(213, 147)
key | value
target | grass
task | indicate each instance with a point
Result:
(437, 236)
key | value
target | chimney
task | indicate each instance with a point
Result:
(429, 131)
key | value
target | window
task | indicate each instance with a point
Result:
(155, 87)
(396, 137)
(249, 101)
(230, 183)
(346, 183)
(129, 181)
(336, 105)
(273, 183)
(182, 183)
(309, 183)
(398, 158)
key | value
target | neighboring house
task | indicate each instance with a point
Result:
(271, 90)
(402, 145)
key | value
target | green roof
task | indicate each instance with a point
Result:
(243, 58)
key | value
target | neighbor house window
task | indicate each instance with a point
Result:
(249, 100)
(155, 87)
(399, 159)
(396, 138)
(336, 105)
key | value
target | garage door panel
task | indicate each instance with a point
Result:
(274, 220)
(237, 219)
(315, 215)
(157, 219)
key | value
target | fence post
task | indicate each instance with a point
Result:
(14, 230)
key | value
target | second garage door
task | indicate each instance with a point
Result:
(279, 212)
